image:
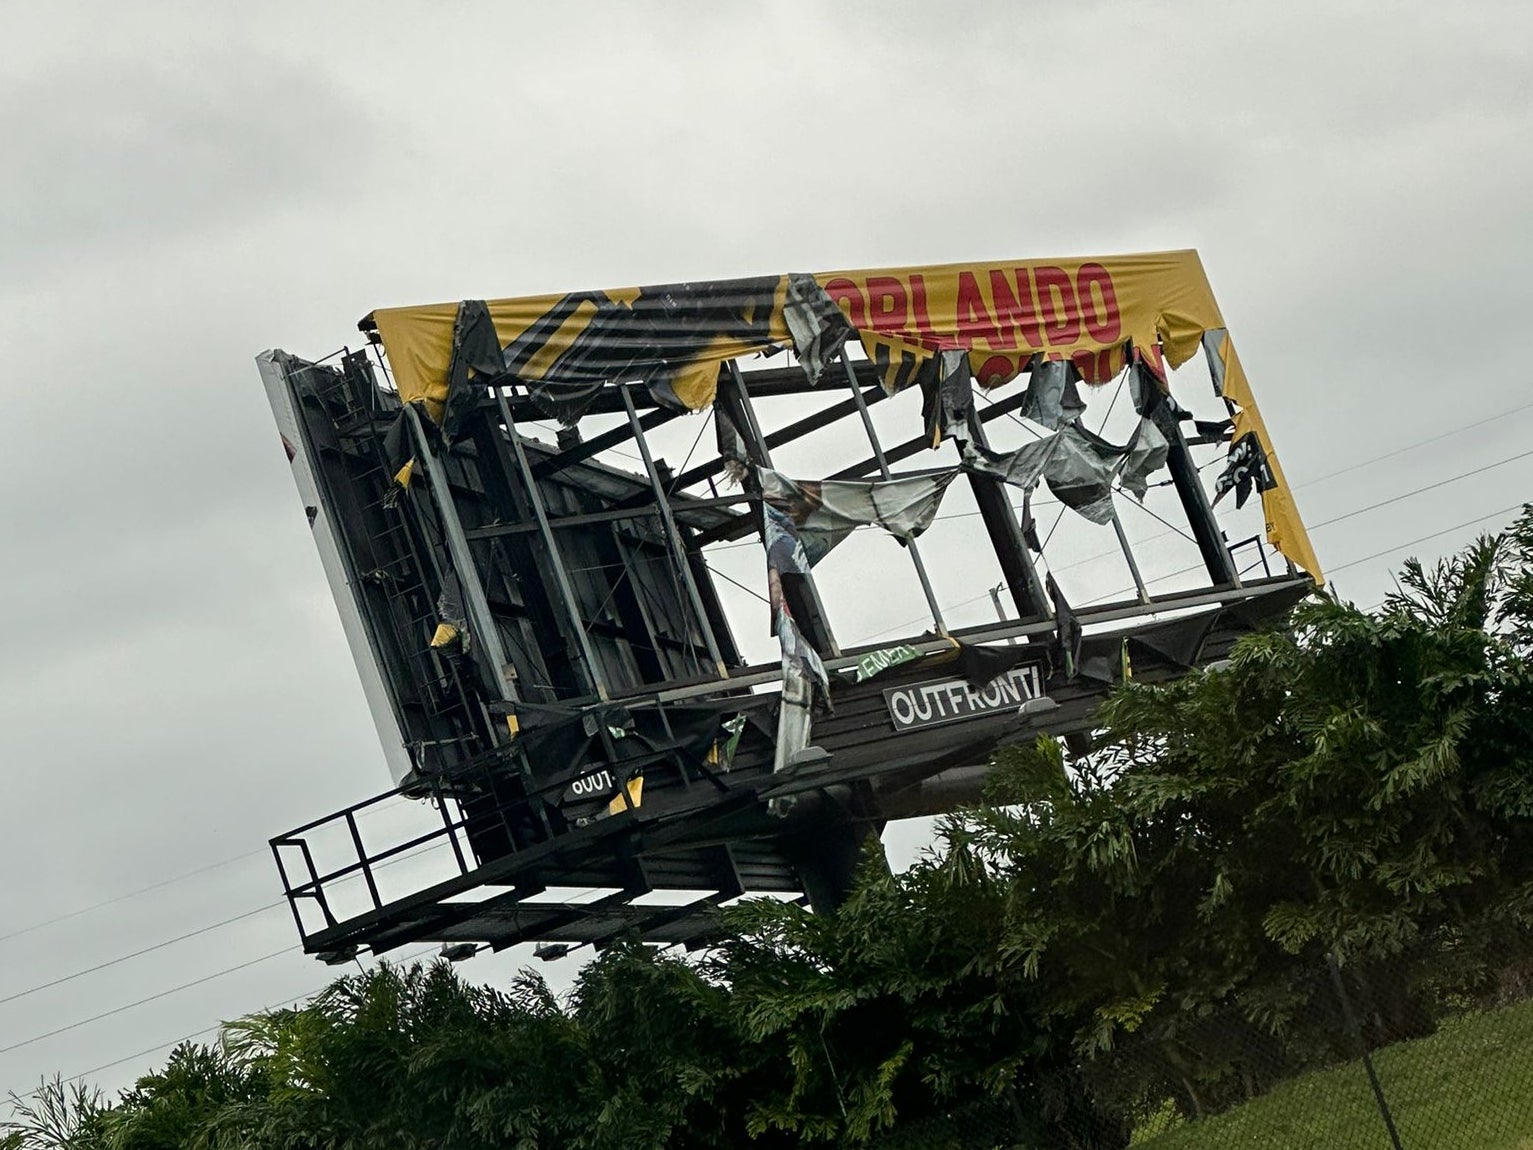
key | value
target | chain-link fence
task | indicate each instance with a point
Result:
(1396, 1054)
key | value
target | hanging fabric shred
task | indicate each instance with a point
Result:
(721, 753)
(1213, 348)
(819, 328)
(565, 402)
(897, 363)
(1053, 400)
(475, 350)
(1078, 466)
(1067, 629)
(731, 445)
(1079, 472)
(947, 397)
(400, 457)
(1020, 468)
(877, 662)
(452, 621)
(979, 665)
(786, 559)
(799, 658)
(1214, 429)
(1029, 524)
(1247, 468)
(824, 513)
(1146, 454)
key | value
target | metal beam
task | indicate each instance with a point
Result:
(1200, 513)
(883, 469)
(477, 608)
(765, 383)
(561, 576)
(495, 530)
(797, 430)
(673, 539)
(599, 443)
(1006, 538)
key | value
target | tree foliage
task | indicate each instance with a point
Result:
(1142, 925)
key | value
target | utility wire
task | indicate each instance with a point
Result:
(1342, 567)
(143, 890)
(151, 888)
(60, 981)
(1335, 519)
(1428, 487)
(142, 1001)
(156, 997)
(1425, 538)
(194, 1034)
(419, 850)
(1420, 443)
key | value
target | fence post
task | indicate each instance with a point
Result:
(1350, 1017)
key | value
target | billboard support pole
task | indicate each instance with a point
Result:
(883, 469)
(561, 577)
(1199, 512)
(1006, 536)
(475, 605)
(1128, 554)
(673, 537)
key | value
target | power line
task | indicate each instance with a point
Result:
(139, 953)
(143, 890)
(100, 966)
(1343, 566)
(1428, 487)
(142, 1001)
(1420, 443)
(1340, 519)
(1424, 538)
(195, 1034)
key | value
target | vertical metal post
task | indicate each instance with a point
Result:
(1200, 513)
(1362, 1047)
(1133, 567)
(814, 622)
(1000, 612)
(561, 577)
(367, 866)
(475, 605)
(673, 536)
(717, 619)
(1006, 535)
(883, 469)
(452, 831)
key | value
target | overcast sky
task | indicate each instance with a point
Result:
(183, 186)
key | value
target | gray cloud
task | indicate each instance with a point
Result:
(141, 150)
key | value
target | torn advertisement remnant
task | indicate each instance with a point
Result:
(1090, 316)
(823, 514)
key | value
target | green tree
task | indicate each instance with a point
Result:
(1358, 785)
(1147, 923)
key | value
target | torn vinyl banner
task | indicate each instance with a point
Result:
(674, 338)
